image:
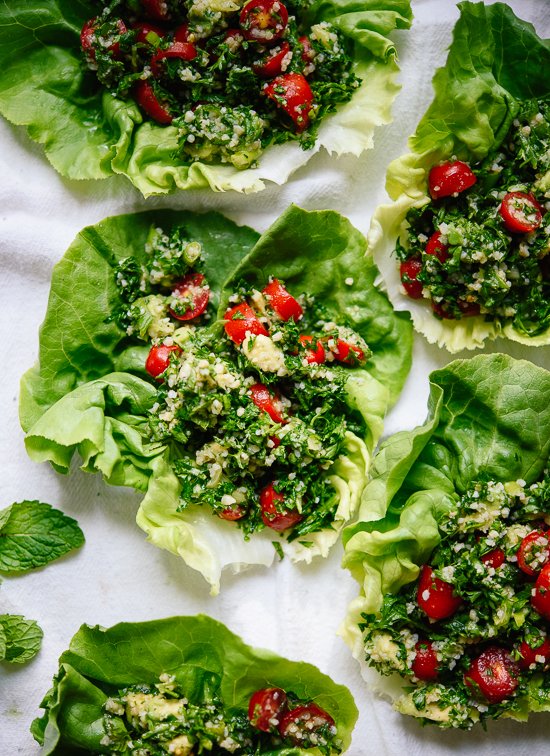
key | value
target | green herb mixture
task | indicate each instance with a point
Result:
(491, 593)
(233, 77)
(258, 461)
(460, 251)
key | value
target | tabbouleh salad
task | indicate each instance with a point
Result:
(481, 246)
(471, 635)
(255, 405)
(233, 77)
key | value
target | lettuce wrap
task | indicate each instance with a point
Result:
(89, 134)
(204, 658)
(90, 394)
(495, 63)
(488, 420)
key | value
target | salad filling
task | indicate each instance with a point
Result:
(481, 245)
(256, 405)
(471, 635)
(151, 720)
(232, 77)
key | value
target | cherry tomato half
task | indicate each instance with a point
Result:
(148, 101)
(409, 270)
(180, 50)
(265, 401)
(158, 358)
(537, 655)
(494, 558)
(425, 663)
(144, 28)
(348, 353)
(266, 707)
(534, 552)
(232, 513)
(449, 178)
(540, 599)
(240, 320)
(157, 9)
(292, 93)
(275, 517)
(88, 38)
(308, 53)
(263, 20)
(467, 309)
(435, 597)
(436, 247)
(493, 674)
(194, 295)
(272, 63)
(299, 723)
(282, 302)
(520, 212)
(314, 356)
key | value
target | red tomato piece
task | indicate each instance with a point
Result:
(157, 9)
(537, 655)
(263, 20)
(232, 513)
(521, 212)
(180, 50)
(265, 401)
(467, 309)
(314, 356)
(158, 358)
(272, 63)
(148, 101)
(436, 597)
(534, 552)
(425, 663)
(88, 38)
(282, 301)
(266, 707)
(297, 724)
(409, 270)
(276, 441)
(493, 674)
(195, 294)
(240, 320)
(436, 247)
(450, 178)
(308, 53)
(181, 33)
(292, 93)
(275, 517)
(144, 28)
(494, 558)
(540, 598)
(348, 353)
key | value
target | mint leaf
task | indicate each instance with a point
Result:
(22, 637)
(33, 534)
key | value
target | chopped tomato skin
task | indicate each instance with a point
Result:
(450, 178)
(308, 53)
(297, 723)
(540, 598)
(425, 663)
(348, 353)
(158, 358)
(88, 36)
(147, 100)
(520, 212)
(240, 320)
(534, 655)
(265, 401)
(292, 93)
(191, 287)
(493, 674)
(263, 21)
(157, 9)
(275, 517)
(436, 247)
(314, 355)
(180, 50)
(282, 302)
(266, 707)
(408, 271)
(534, 552)
(436, 597)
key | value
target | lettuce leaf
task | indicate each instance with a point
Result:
(88, 134)
(495, 61)
(488, 419)
(199, 651)
(72, 402)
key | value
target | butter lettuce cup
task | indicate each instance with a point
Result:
(239, 382)
(465, 244)
(187, 95)
(452, 551)
(186, 685)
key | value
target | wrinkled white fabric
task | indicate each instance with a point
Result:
(294, 610)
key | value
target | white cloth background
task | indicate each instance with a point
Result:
(117, 576)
